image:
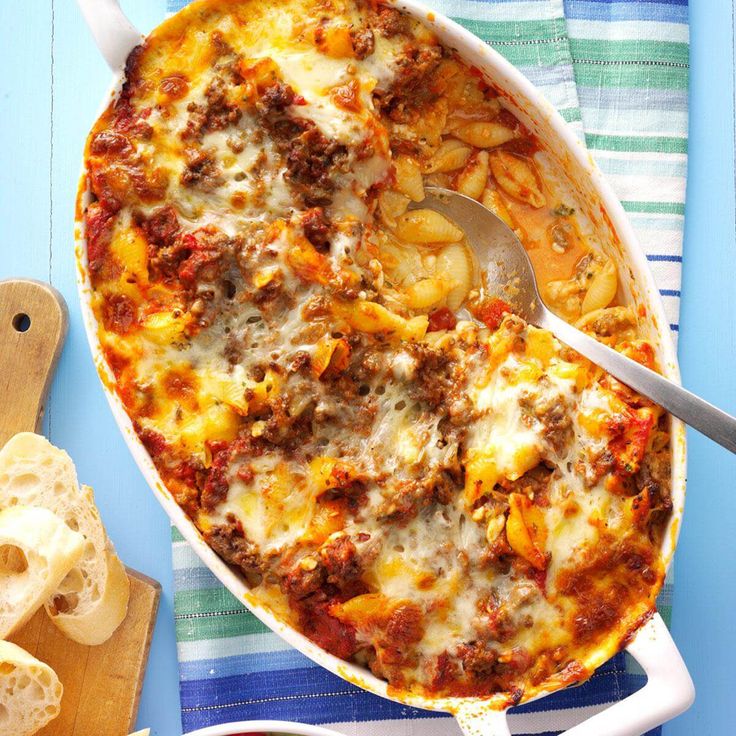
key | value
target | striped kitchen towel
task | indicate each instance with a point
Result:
(618, 72)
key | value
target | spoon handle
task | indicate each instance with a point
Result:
(693, 410)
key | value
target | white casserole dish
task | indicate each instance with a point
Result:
(669, 690)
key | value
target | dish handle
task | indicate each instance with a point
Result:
(114, 34)
(668, 692)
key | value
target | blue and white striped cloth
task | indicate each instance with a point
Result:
(618, 72)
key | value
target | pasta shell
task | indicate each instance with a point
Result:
(331, 355)
(493, 202)
(517, 177)
(402, 263)
(612, 322)
(526, 530)
(164, 328)
(219, 387)
(439, 179)
(409, 178)
(426, 226)
(602, 289)
(131, 250)
(217, 422)
(391, 204)
(455, 264)
(415, 328)
(451, 155)
(564, 296)
(484, 134)
(426, 293)
(473, 179)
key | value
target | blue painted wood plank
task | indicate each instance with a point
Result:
(25, 130)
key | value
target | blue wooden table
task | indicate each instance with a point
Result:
(53, 81)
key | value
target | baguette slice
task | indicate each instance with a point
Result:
(37, 551)
(93, 599)
(98, 611)
(144, 732)
(30, 692)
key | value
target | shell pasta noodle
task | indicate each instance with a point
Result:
(399, 466)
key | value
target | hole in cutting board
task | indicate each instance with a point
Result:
(21, 322)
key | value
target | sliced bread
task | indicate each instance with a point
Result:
(93, 599)
(30, 692)
(37, 551)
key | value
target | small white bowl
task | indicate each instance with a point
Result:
(268, 727)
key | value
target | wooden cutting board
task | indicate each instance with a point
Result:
(102, 684)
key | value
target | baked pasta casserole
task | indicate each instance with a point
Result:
(401, 467)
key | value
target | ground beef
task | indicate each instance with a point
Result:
(389, 21)
(363, 42)
(478, 661)
(230, 542)
(233, 350)
(305, 579)
(202, 171)
(316, 228)
(98, 229)
(202, 255)
(311, 159)
(655, 473)
(275, 99)
(534, 483)
(408, 498)
(654, 501)
(217, 114)
(612, 322)
(300, 362)
(341, 562)
(405, 625)
(494, 621)
(434, 383)
(118, 313)
(216, 486)
(161, 226)
(412, 87)
(285, 431)
(111, 143)
(154, 442)
(554, 415)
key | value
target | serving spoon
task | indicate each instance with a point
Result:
(505, 260)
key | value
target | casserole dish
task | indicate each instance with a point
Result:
(606, 219)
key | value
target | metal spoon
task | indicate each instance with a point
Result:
(505, 261)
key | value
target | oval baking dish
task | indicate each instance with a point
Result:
(651, 645)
